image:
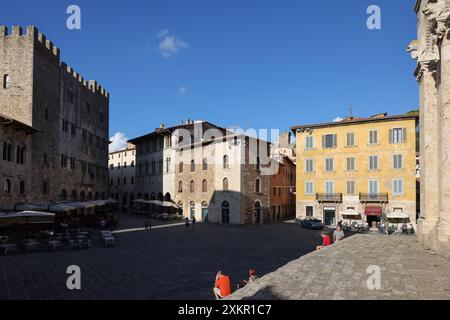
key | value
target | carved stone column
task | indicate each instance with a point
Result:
(429, 139)
(444, 141)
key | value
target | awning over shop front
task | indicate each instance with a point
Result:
(373, 211)
(350, 213)
(397, 215)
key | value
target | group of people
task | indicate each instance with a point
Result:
(338, 235)
(222, 284)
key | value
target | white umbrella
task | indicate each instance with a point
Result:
(61, 207)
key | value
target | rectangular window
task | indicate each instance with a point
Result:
(329, 165)
(309, 142)
(309, 188)
(329, 187)
(309, 165)
(350, 139)
(373, 137)
(397, 187)
(351, 190)
(329, 141)
(350, 163)
(397, 135)
(398, 161)
(373, 163)
(373, 187)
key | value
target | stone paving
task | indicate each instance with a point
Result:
(165, 263)
(340, 272)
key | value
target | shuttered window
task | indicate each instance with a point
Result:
(329, 141)
(397, 135)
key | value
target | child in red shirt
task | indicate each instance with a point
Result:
(326, 241)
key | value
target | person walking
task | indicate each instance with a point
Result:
(186, 223)
(194, 221)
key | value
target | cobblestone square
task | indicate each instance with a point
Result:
(163, 263)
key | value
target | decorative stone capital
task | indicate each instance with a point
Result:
(423, 67)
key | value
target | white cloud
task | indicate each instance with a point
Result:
(118, 142)
(170, 44)
(338, 119)
(183, 90)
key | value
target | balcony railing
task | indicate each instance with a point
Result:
(329, 197)
(373, 197)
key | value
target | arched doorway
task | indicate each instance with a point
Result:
(204, 211)
(167, 197)
(257, 213)
(74, 195)
(180, 208)
(225, 212)
(82, 196)
(192, 209)
(90, 196)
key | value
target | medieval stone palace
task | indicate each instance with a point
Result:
(432, 52)
(53, 124)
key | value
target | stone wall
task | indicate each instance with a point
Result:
(49, 96)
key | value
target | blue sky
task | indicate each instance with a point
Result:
(247, 63)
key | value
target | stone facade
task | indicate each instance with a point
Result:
(185, 164)
(364, 164)
(122, 175)
(15, 162)
(432, 52)
(69, 153)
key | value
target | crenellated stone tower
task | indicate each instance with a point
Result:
(69, 154)
(432, 52)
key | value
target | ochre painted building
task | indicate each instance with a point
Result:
(365, 164)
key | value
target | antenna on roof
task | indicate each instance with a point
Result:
(350, 111)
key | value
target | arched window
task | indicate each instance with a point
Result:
(74, 195)
(257, 185)
(82, 196)
(180, 167)
(63, 195)
(180, 207)
(226, 162)
(204, 211)
(167, 197)
(22, 187)
(205, 164)
(180, 186)
(7, 151)
(225, 184)
(6, 81)
(7, 185)
(152, 196)
(192, 186)
(192, 165)
(204, 186)
(160, 196)
(257, 212)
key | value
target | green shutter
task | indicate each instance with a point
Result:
(404, 134)
(334, 140)
(324, 141)
(391, 135)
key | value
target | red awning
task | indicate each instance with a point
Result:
(373, 211)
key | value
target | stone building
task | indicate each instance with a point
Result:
(211, 173)
(122, 175)
(432, 52)
(363, 164)
(69, 151)
(15, 162)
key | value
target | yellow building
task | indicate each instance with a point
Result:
(367, 165)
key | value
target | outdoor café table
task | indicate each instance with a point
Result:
(55, 244)
(8, 247)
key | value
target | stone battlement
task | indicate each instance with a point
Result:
(33, 33)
